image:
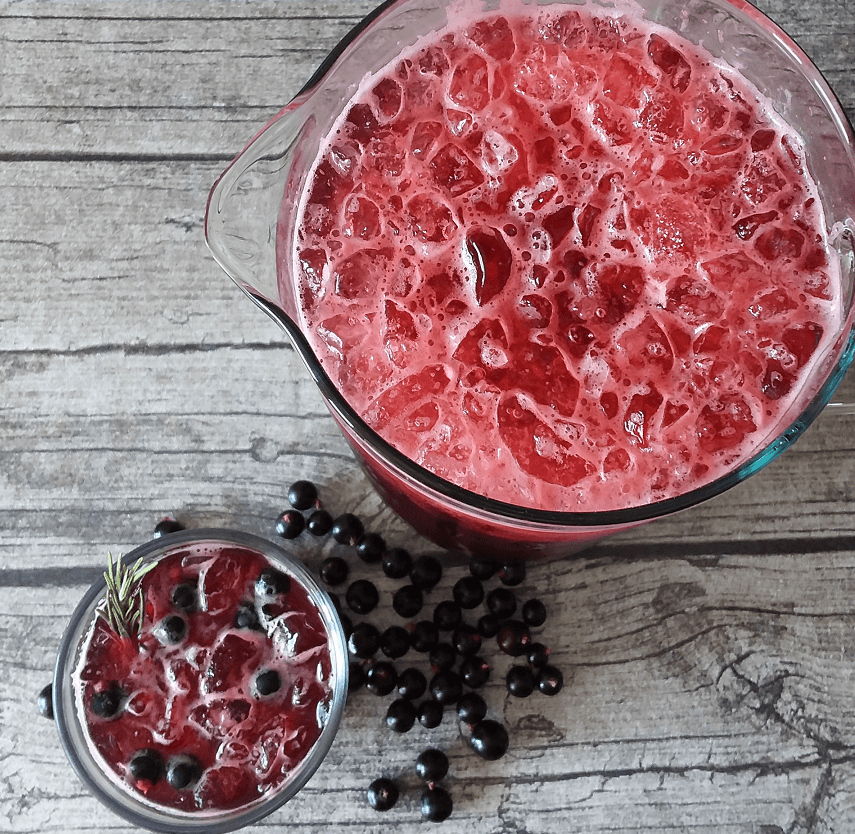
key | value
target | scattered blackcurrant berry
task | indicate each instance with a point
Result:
(355, 676)
(347, 529)
(489, 739)
(489, 625)
(466, 640)
(432, 765)
(166, 526)
(319, 523)
(447, 615)
(395, 642)
(44, 702)
(514, 638)
(520, 681)
(475, 672)
(382, 794)
(381, 678)
(290, 524)
(482, 569)
(471, 708)
(446, 687)
(442, 656)
(534, 613)
(333, 571)
(430, 713)
(362, 596)
(425, 636)
(268, 682)
(412, 684)
(247, 617)
(370, 548)
(302, 495)
(172, 629)
(426, 572)
(436, 804)
(146, 766)
(106, 703)
(538, 655)
(468, 592)
(184, 596)
(183, 772)
(401, 715)
(407, 601)
(512, 574)
(272, 582)
(501, 603)
(396, 563)
(550, 680)
(364, 640)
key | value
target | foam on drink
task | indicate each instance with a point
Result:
(565, 259)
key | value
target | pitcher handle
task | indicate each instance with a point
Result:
(840, 408)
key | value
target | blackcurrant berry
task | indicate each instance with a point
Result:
(272, 582)
(447, 615)
(481, 568)
(362, 596)
(489, 625)
(412, 684)
(534, 613)
(333, 571)
(184, 596)
(268, 682)
(446, 687)
(471, 708)
(489, 740)
(538, 655)
(407, 601)
(436, 804)
(146, 766)
(401, 715)
(520, 681)
(514, 638)
(425, 636)
(347, 529)
(442, 656)
(432, 765)
(183, 772)
(468, 592)
(382, 794)
(364, 640)
(395, 642)
(501, 603)
(172, 629)
(355, 676)
(396, 563)
(370, 548)
(466, 640)
(106, 703)
(426, 572)
(550, 680)
(290, 524)
(475, 672)
(44, 702)
(319, 523)
(381, 678)
(512, 574)
(302, 495)
(430, 713)
(166, 526)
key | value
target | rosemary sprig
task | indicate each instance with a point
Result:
(123, 602)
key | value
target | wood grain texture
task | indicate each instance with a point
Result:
(708, 657)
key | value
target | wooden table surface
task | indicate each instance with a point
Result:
(708, 657)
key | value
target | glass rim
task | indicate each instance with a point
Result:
(124, 802)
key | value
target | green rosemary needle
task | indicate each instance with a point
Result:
(123, 602)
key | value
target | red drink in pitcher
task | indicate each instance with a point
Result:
(565, 260)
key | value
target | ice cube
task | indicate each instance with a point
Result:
(430, 219)
(671, 62)
(469, 86)
(494, 37)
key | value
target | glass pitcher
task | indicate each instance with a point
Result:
(250, 219)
